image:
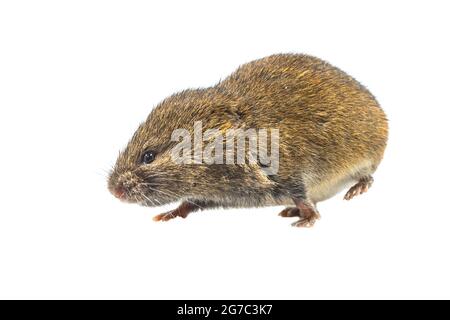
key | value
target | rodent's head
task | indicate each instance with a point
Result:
(139, 168)
(145, 172)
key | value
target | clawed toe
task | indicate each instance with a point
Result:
(354, 191)
(361, 187)
(182, 211)
(304, 223)
(165, 216)
(290, 212)
(170, 215)
(305, 210)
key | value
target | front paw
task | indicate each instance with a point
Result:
(166, 216)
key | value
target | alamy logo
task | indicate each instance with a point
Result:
(227, 146)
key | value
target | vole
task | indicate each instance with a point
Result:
(332, 135)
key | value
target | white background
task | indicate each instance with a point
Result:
(76, 78)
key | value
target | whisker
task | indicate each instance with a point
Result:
(179, 180)
(176, 195)
(147, 198)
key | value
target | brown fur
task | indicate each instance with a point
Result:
(332, 133)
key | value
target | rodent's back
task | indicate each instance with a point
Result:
(329, 123)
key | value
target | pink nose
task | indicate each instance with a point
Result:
(119, 193)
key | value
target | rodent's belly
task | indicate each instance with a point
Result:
(263, 200)
(328, 188)
(325, 185)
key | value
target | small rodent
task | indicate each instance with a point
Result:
(332, 135)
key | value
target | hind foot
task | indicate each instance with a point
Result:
(362, 186)
(308, 214)
(305, 210)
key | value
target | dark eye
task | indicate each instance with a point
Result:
(148, 157)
